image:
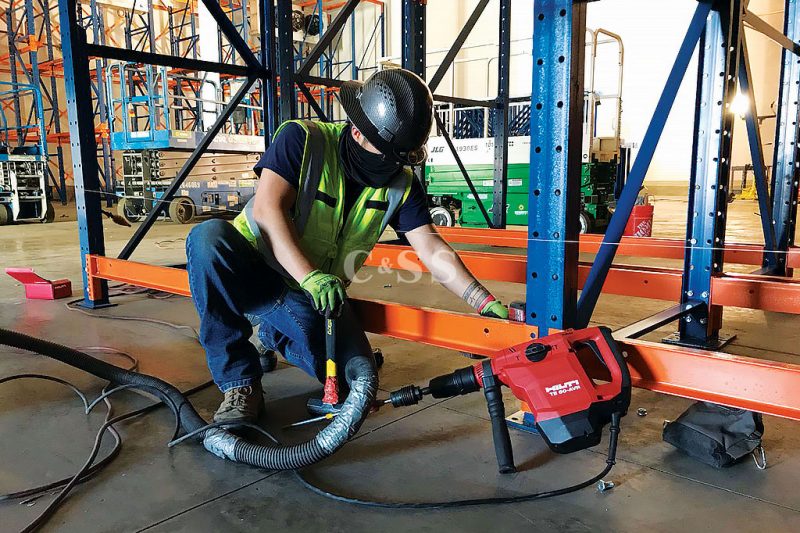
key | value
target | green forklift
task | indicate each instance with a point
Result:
(603, 168)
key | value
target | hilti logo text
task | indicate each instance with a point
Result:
(563, 388)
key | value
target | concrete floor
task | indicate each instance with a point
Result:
(438, 450)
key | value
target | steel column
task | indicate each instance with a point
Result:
(107, 171)
(151, 25)
(82, 140)
(500, 119)
(559, 39)
(757, 157)
(630, 192)
(718, 67)
(413, 54)
(269, 90)
(785, 170)
(35, 78)
(55, 118)
(12, 62)
(51, 96)
(285, 63)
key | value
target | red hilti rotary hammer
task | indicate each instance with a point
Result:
(548, 374)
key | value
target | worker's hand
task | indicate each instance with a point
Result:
(495, 309)
(326, 291)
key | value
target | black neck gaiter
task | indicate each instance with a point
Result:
(368, 169)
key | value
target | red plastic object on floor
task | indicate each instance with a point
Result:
(38, 288)
(640, 224)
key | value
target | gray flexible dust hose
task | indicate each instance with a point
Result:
(363, 380)
(359, 372)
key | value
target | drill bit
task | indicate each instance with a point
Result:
(328, 416)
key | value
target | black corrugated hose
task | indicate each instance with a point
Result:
(362, 377)
(360, 373)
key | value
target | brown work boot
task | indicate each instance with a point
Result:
(241, 404)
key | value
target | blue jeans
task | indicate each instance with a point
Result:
(231, 283)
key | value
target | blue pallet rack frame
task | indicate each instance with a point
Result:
(556, 117)
(413, 37)
(82, 141)
(33, 17)
(717, 26)
(787, 152)
(556, 137)
(94, 21)
(77, 50)
(412, 54)
(727, 379)
(708, 182)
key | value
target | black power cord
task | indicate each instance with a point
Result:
(90, 468)
(36, 492)
(449, 504)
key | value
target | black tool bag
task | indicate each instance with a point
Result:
(716, 435)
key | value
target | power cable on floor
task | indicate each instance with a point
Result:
(88, 469)
(71, 305)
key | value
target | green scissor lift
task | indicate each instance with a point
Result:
(453, 203)
(449, 195)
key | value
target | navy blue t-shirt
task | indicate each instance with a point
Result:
(285, 157)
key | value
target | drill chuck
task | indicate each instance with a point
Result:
(460, 382)
(408, 395)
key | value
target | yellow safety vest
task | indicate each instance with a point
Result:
(332, 244)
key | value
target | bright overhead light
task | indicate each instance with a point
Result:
(740, 104)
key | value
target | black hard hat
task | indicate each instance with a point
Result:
(394, 111)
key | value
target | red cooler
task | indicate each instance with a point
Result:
(640, 224)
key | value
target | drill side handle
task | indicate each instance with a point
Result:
(497, 414)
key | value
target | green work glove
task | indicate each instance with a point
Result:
(495, 310)
(326, 291)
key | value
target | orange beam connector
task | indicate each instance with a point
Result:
(756, 384)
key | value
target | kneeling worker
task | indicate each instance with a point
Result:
(325, 195)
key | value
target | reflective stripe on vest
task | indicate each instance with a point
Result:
(331, 243)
